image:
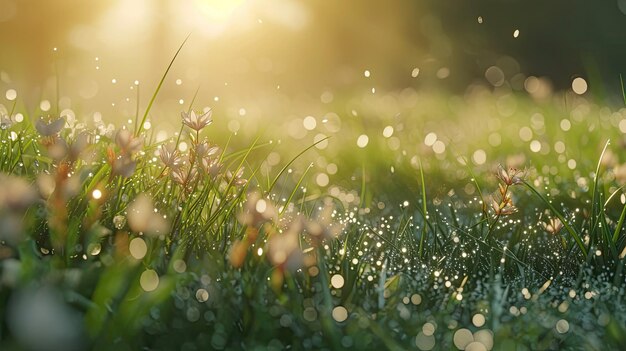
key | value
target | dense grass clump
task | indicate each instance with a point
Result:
(507, 236)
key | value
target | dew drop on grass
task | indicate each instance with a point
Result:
(525, 133)
(428, 329)
(559, 147)
(149, 280)
(362, 141)
(479, 157)
(313, 271)
(179, 266)
(11, 94)
(439, 147)
(322, 179)
(331, 168)
(430, 139)
(337, 281)
(484, 337)
(416, 299)
(119, 221)
(462, 338)
(579, 85)
(138, 248)
(562, 326)
(309, 314)
(478, 320)
(388, 131)
(571, 164)
(475, 346)
(309, 122)
(494, 139)
(495, 76)
(319, 144)
(261, 206)
(340, 314)
(95, 249)
(535, 146)
(424, 342)
(202, 295)
(44, 105)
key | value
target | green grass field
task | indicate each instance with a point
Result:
(396, 220)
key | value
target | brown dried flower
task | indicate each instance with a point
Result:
(512, 176)
(553, 226)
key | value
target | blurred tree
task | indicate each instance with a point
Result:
(31, 31)
(558, 38)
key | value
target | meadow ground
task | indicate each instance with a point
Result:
(397, 220)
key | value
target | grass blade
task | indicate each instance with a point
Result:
(295, 188)
(594, 193)
(620, 224)
(292, 161)
(567, 226)
(424, 210)
(158, 88)
(621, 80)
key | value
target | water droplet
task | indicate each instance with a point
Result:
(362, 141)
(340, 314)
(138, 248)
(11, 94)
(579, 85)
(337, 281)
(149, 280)
(562, 326)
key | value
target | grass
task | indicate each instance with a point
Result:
(113, 240)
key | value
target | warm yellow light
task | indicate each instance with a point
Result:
(97, 194)
(218, 10)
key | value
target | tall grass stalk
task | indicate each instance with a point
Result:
(158, 88)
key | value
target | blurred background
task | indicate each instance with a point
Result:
(275, 56)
